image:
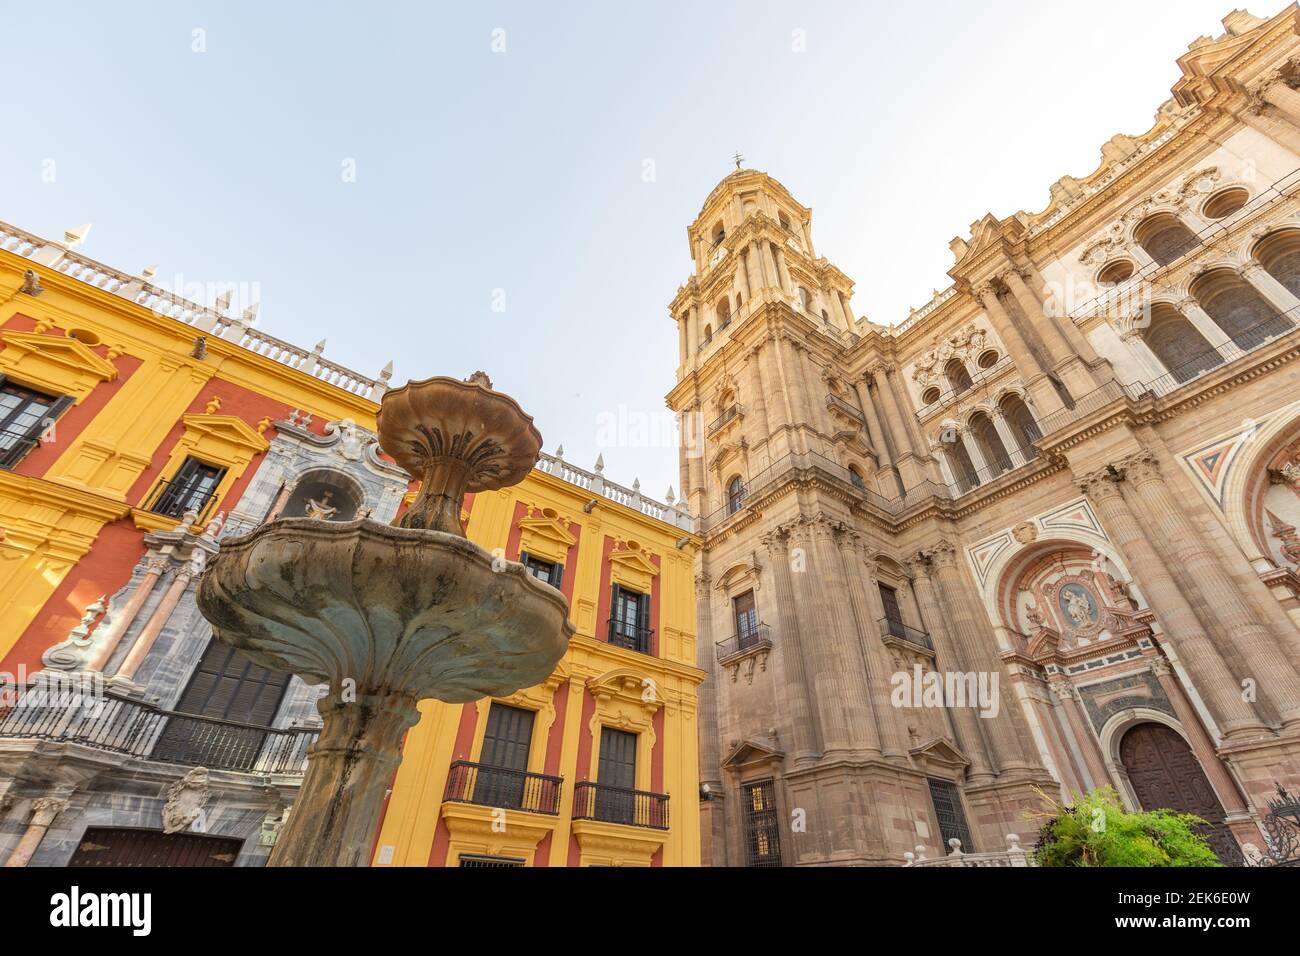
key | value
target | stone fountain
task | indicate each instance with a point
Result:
(390, 615)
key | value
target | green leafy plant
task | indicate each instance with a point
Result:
(1096, 830)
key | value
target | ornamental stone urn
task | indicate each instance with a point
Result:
(388, 616)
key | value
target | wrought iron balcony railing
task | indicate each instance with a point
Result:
(135, 728)
(488, 786)
(733, 411)
(622, 634)
(890, 627)
(174, 500)
(634, 808)
(755, 637)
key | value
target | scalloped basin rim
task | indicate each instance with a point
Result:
(398, 610)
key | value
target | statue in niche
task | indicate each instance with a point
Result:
(320, 508)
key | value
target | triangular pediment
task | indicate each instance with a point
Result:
(749, 751)
(940, 750)
(227, 429)
(552, 529)
(61, 350)
(633, 560)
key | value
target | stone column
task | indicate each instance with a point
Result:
(693, 323)
(978, 646)
(1009, 440)
(948, 655)
(1209, 672)
(1045, 398)
(153, 627)
(711, 811)
(122, 622)
(782, 271)
(902, 438)
(906, 411)
(682, 345)
(770, 266)
(806, 745)
(1274, 292)
(1082, 731)
(864, 595)
(759, 400)
(1209, 329)
(878, 443)
(865, 684)
(1138, 346)
(1287, 100)
(754, 270)
(1237, 621)
(788, 359)
(742, 276)
(44, 812)
(1078, 379)
(822, 644)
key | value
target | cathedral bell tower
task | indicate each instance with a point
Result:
(800, 449)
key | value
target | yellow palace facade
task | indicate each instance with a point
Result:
(137, 431)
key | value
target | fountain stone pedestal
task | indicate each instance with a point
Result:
(388, 616)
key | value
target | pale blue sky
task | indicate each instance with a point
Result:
(900, 124)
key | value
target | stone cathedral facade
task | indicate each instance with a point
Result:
(1068, 487)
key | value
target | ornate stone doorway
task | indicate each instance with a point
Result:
(1165, 774)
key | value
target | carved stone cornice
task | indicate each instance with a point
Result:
(1101, 484)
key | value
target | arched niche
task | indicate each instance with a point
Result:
(324, 493)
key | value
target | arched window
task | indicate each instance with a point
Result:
(855, 477)
(1022, 424)
(958, 377)
(805, 298)
(990, 444)
(988, 358)
(1165, 238)
(708, 336)
(723, 313)
(735, 495)
(1238, 309)
(1225, 202)
(1279, 254)
(930, 395)
(719, 233)
(826, 319)
(963, 469)
(1182, 350)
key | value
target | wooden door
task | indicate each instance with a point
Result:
(122, 846)
(1166, 775)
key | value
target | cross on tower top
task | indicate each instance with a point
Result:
(738, 158)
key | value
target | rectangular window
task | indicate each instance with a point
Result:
(504, 760)
(548, 572)
(616, 775)
(25, 415)
(951, 816)
(629, 621)
(746, 614)
(762, 829)
(239, 696)
(193, 488)
(893, 613)
(482, 859)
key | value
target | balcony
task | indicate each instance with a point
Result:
(15, 445)
(896, 630)
(629, 636)
(733, 412)
(756, 638)
(134, 728)
(634, 808)
(173, 500)
(488, 786)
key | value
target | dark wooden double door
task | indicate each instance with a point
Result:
(1165, 775)
(123, 846)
